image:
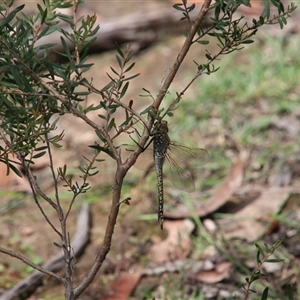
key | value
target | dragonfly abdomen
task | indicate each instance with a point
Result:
(159, 159)
(161, 143)
(160, 187)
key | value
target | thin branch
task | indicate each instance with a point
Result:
(37, 191)
(29, 263)
(109, 230)
(126, 107)
(54, 177)
(84, 184)
(183, 52)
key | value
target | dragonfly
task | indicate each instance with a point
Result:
(170, 158)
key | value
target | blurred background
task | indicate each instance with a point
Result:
(246, 115)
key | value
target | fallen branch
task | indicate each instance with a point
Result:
(79, 242)
(140, 29)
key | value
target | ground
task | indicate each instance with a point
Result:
(246, 116)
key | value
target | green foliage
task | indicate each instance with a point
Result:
(36, 91)
(26, 104)
(262, 256)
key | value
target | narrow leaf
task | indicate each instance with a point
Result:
(178, 7)
(124, 89)
(129, 68)
(203, 42)
(289, 291)
(119, 50)
(264, 295)
(131, 77)
(39, 154)
(14, 168)
(66, 48)
(119, 61)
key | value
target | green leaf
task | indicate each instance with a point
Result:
(42, 47)
(261, 20)
(266, 11)
(114, 72)
(57, 245)
(11, 16)
(66, 18)
(191, 8)
(217, 12)
(274, 260)
(129, 68)
(128, 57)
(203, 42)
(289, 291)
(279, 5)
(131, 77)
(81, 94)
(66, 48)
(83, 49)
(119, 50)
(102, 149)
(111, 125)
(14, 168)
(246, 3)
(100, 136)
(277, 244)
(280, 23)
(66, 4)
(264, 295)
(46, 31)
(259, 248)
(208, 56)
(41, 148)
(178, 7)
(39, 154)
(258, 257)
(93, 174)
(99, 159)
(146, 110)
(16, 76)
(124, 89)
(56, 145)
(247, 42)
(119, 61)
(126, 122)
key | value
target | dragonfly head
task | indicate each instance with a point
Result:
(161, 126)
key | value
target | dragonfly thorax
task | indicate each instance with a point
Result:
(161, 142)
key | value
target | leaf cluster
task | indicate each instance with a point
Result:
(263, 255)
(27, 75)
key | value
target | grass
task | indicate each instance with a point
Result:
(241, 103)
(235, 110)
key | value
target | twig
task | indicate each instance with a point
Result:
(32, 282)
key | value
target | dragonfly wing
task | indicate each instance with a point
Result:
(179, 177)
(196, 156)
(178, 161)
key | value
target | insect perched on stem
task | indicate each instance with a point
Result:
(169, 159)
